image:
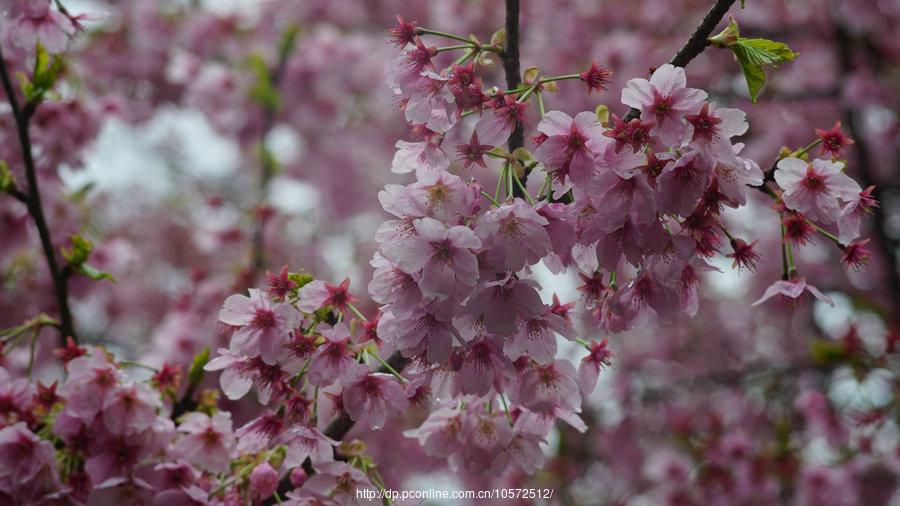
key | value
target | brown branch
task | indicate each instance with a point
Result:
(513, 70)
(35, 207)
(696, 43)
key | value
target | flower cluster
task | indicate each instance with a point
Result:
(466, 354)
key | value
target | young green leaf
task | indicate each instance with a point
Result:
(753, 55)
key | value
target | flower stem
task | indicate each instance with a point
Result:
(389, 368)
(357, 312)
(807, 148)
(494, 202)
(558, 78)
(426, 31)
(506, 409)
(528, 92)
(521, 187)
(540, 102)
(454, 48)
(462, 59)
(785, 270)
(825, 233)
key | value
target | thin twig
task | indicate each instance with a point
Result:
(35, 208)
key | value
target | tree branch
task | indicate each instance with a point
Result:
(35, 208)
(696, 43)
(513, 70)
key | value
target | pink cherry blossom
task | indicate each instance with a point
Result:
(131, 409)
(333, 359)
(372, 397)
(318, 294)
(14, 394)
(485, 434)
(420, 333)
(442, 254)
(664, 100)
(815, 189)
(26, 461)
(420, 157)
(340, 482)
(599, 356)
(38, 22)
(494, 128)
(405, 72)
(682, 182)
(442, 196)
(796, 291)
(304, 442)
(712, 129)
(483, 366)
(536, 336)
(430, 103)
(567, 152)
(91, 380)
(548, 388)
(263, 324)
(207, 441)
(513, 235)
(500, 304)
(441, 434)
(264, 480)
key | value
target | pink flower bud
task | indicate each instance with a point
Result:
(298, 477)
(264, 480)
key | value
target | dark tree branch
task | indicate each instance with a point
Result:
(35, 208)
(511, 65)
(696, 43)
(513, 70)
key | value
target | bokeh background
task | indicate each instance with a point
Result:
(153, 151)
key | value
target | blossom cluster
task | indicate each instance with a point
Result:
(465, 342)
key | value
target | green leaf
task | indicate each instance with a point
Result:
(302, 278)
(46, 70)
(263, 90)
(288, 41)
(754, 54)
(7, 181)
(762, 51)
(195, 373)
(826, 352)
(498, 38)
(78, 252)
(94, 273)
(77, 256)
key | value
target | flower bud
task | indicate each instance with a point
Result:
(298, 477)
(264, 480)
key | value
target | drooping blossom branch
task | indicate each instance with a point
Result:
(32, 199)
